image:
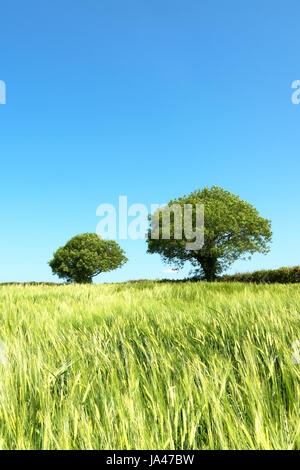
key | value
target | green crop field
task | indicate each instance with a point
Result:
(150, 366)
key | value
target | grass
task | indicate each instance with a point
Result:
(150, 366)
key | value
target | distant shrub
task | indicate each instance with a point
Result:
(281, 275)
(31, 283)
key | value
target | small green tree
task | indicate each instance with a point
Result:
(233, 230)
(85, 256)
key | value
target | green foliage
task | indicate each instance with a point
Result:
(150, 366)
(281, 275)
(233, 230)
(86, 256)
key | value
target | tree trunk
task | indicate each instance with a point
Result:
(209, 266)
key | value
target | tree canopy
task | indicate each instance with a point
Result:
(85, 256)
(233, 229)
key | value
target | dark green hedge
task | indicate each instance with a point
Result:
(31, 283)
(281, 275)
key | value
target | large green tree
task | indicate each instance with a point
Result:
(233, 229)
(86, 256)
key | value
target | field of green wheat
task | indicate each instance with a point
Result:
(150, 366)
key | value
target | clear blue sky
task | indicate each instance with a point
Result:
(146, 98)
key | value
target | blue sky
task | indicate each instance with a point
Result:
(146, 98)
